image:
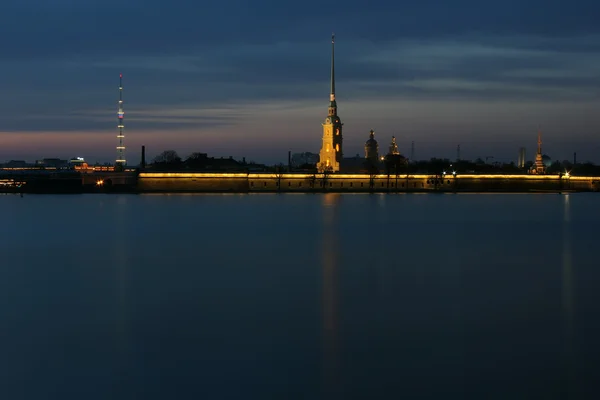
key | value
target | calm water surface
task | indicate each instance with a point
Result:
(300, 296)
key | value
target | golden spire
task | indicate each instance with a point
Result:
(332, 93)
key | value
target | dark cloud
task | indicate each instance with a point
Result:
(184, 59)
(82, 121)
(40, 29)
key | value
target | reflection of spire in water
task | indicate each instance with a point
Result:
(122, 277)
(330, 200)
(567, 298)
(329, 295)
(567, 209)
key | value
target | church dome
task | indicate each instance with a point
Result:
(371, 141)
(371, 147)
(547, 161)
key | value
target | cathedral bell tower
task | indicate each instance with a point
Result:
(538, 166)
(331, 153)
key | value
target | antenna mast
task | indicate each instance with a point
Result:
(120, 114)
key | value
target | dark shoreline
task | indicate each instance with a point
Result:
(187, 192)
(191, 182)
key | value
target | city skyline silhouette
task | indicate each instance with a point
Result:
(253, 82)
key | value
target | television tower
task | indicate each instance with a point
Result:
(120, 114)
(412, 151)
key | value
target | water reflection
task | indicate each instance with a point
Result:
(146, 327)
(121, 269)
(567, 297)
(329, 252)
(381, 199)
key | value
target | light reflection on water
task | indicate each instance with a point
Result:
(330, 296)
(299, 296)
(121, 261)
(568, 300)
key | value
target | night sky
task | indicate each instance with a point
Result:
(240, 78)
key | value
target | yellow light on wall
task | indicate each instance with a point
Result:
(234, 175)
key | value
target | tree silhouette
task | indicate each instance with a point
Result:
(325, 172)
(279, 170)
(312, 180)
(196, 161)
(372, 170)
(168, 159)
(395, 163)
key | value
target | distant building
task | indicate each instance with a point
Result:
(16, 164)
(223, 164)
(299, 159)
(254, 167)
(53, 163)
(521, 160)
(372, 148)
(79, 164)
(538, 166)
(354, 164)
(393, 149)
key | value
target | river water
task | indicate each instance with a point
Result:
(299, 296)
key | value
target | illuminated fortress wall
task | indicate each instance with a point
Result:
(266, 182)
(192, 182)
